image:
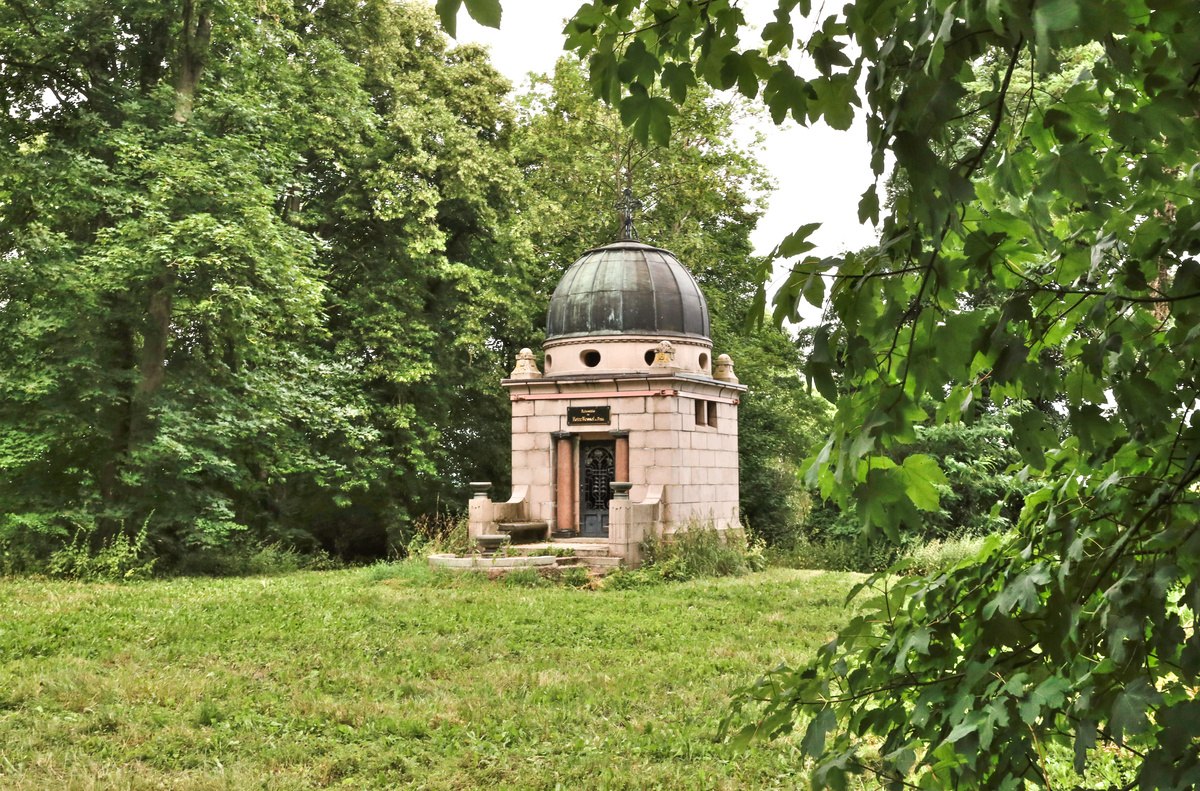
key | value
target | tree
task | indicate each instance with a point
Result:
(429, 270)
(157, 307)
(700, 195)
(1079, 214)
(253, 255)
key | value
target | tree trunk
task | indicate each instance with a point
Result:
(193, 53)
(152, 362)
(118, 420)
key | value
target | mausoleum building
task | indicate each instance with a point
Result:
(630, 426)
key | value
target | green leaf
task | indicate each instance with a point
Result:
(638, 65)
(796, 242)
(922, 477)
(1022, 591)
(962, 730)
(785, 92)
(1051, 16)
(1032, 436)
(678, 78)
(917, 641)
(447, 11)
(820, 365)
(602, 67)
(1048, 695)
(868, 206)
(835, 101)
(827, 53)
(1131, 706)
(778, 35)
(485, 12)
(648, 116)
(814, 737)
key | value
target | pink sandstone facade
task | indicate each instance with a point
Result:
(630, 429)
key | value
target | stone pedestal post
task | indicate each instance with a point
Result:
(564, 485)
(481, 510)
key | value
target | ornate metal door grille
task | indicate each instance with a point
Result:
(599, 468)
(597, 461)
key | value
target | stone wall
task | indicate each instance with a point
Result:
(674, 447)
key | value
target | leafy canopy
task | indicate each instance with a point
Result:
(1039, 250)
(258, 271)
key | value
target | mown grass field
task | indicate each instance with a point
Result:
(394, 676)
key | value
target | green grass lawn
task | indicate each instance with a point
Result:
(395, 676)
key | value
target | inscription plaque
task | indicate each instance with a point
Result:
(588, 415)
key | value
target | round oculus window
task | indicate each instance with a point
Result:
(590, 358)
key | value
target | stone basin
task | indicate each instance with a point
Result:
(480, 562)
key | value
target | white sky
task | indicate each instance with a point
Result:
(820, 172)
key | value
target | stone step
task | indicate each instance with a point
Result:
(604, 562)
(589, 549)
(594, 562)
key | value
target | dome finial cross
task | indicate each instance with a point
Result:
(627, 205)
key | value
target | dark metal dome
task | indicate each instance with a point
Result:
(627, 288)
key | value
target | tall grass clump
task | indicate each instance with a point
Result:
(438, 533)
(700, 550)
(117, 558)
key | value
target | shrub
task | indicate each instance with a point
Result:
(936, 555)
(252, 558)
(983, 493)
(837, 554)
(914, 557)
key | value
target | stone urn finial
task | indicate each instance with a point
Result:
(724, 369)
(526, 367)
(664, 355)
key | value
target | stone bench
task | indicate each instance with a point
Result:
(524, 532)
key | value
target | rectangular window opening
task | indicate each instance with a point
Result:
(712, 414)
(701, 413)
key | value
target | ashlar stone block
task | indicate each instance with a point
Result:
(628, 406)
(661, 439)
(550, 406)
(639, 421)
(667, 422)
(545, 424)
